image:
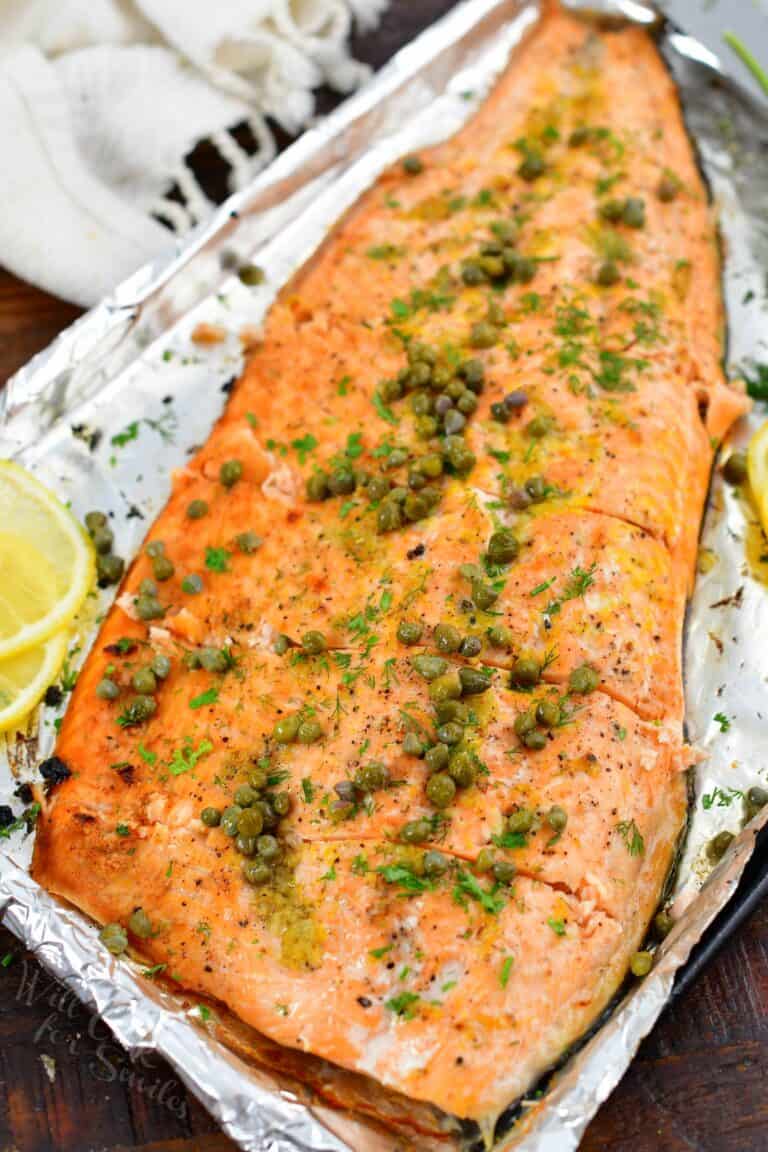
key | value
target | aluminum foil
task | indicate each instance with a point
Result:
(117, 401)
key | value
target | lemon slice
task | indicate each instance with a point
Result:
(25, 677)
(46, 562)
(757, 468)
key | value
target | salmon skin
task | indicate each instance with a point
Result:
(381, 746)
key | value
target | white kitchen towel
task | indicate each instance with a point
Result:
(100, 101)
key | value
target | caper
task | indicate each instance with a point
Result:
(668, 187)
(245, 796)
(523, 269)
(456, 453)
(463, 768)
(230, 472)
(485, 860)
(472, 274)
(162, 568)
(371, 777)
(161, 665)
(466, 403)
(425, 427)
(441, 790)
(583, 680)
(447, 638)
(499, 636)
(250, 821)
(416, 507)
(548, 713)
(256, 872)
(641, 964)
(248, 542)
(314, 643)
(470, 646)
(388, 517)
(525, 722)
(413, 165)
(757, 798)
(245, 845)
(317, 486)
(430, 667)
(483, 335)
(114, 938)
(192, 584)
(535, 740)
(453, 421)
(520, 821)
(211, 817)
(611, 210)
(557, 818)
(268, 847)
(106, 689)
(532, 166)
(196, 509)
(536, 487)
(309, 731)
(483, 594)
(719, 845)
(735, 468)
(144, 681)
(342, 482)
(281, 802)
(230, 818)
(499, 412)
(213, 659)
(392, 389)
(474, 681)
(447, 687)
(579, 136)
(539, 426)
(149, 607)
(608, 274)
(473, 373)
(286, 728)
(437, 757)
(140, 924)
(409, 632)
(250, 275)
(413, 745)
(663, 923)
(526, 672)
(109, 569)
(257, 777)
(503, 547)
(450, 733)
(377, 488)
(94, 521)
(147, 588)
(268, 814)
(504, 871)
(435, 863)
(138, 711)
(633, 212)
(416, 831)
(103, 539)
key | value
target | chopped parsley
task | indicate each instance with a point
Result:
(210, 696)
(216, 559)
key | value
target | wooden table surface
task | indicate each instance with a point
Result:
(697, 1085)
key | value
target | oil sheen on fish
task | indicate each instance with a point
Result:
(382, 745)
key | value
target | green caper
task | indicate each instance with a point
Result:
(371, 777)
(162, 568)
(641, 964)
(719, 845)
(416, 507)
(245, 796)
(257, 777)
(388, 517)
(256, 872)
(470, 646)
(309, 731)
(539, 426)
(458, 455)
(467, 402)
(114, 938)
(447, 687)
(409, 632)
(229, 820)
(268, 847)
(441, 790)
(109, 569)
(342, 482)
(103, 539)
(192, 584)
(535, 740)
(548, 713)
(147, 588)
(483, 335)
(413, 745)
(504, 871)
(633, 212)
(286, 728)
(430, 667)
(416, 831)
(196, 509)
(138, 711)
(211, 817)
(437, 757)
(463, 768)
(140, 924)
(450, 733)
(268, 814)
(248, 542)
(757, 798)
(472, 274)
(668, 187)
(317, 486)
(583, 680)
(503, 547)
(149, 607)
(314, 643)
(281, 644)
(161, 665)
(532, 166)
(473, 374)
(447, 638)
(413, 165)
(525, 722)
(536, 488)
(579, 136)
(250, 275)
(455, 710)
(523, 269)
(425, 427)
(94, 521)
(250, 822)
(520, 821)
(474, 681)
(213, 659)
(377, 487)
(435, 863)
(281, 802)
(106, 689)
(611, 210)
(485, 860)
(557, 818)
(483, 595)
(663, 923)
(499, 636)
(245, 845)
(526, 672)
(734, 469)
(144, 681)
(230, 472)
(608, 274)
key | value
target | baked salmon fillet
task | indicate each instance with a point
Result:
(381, 746)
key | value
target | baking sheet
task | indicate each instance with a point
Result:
(128, 375)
